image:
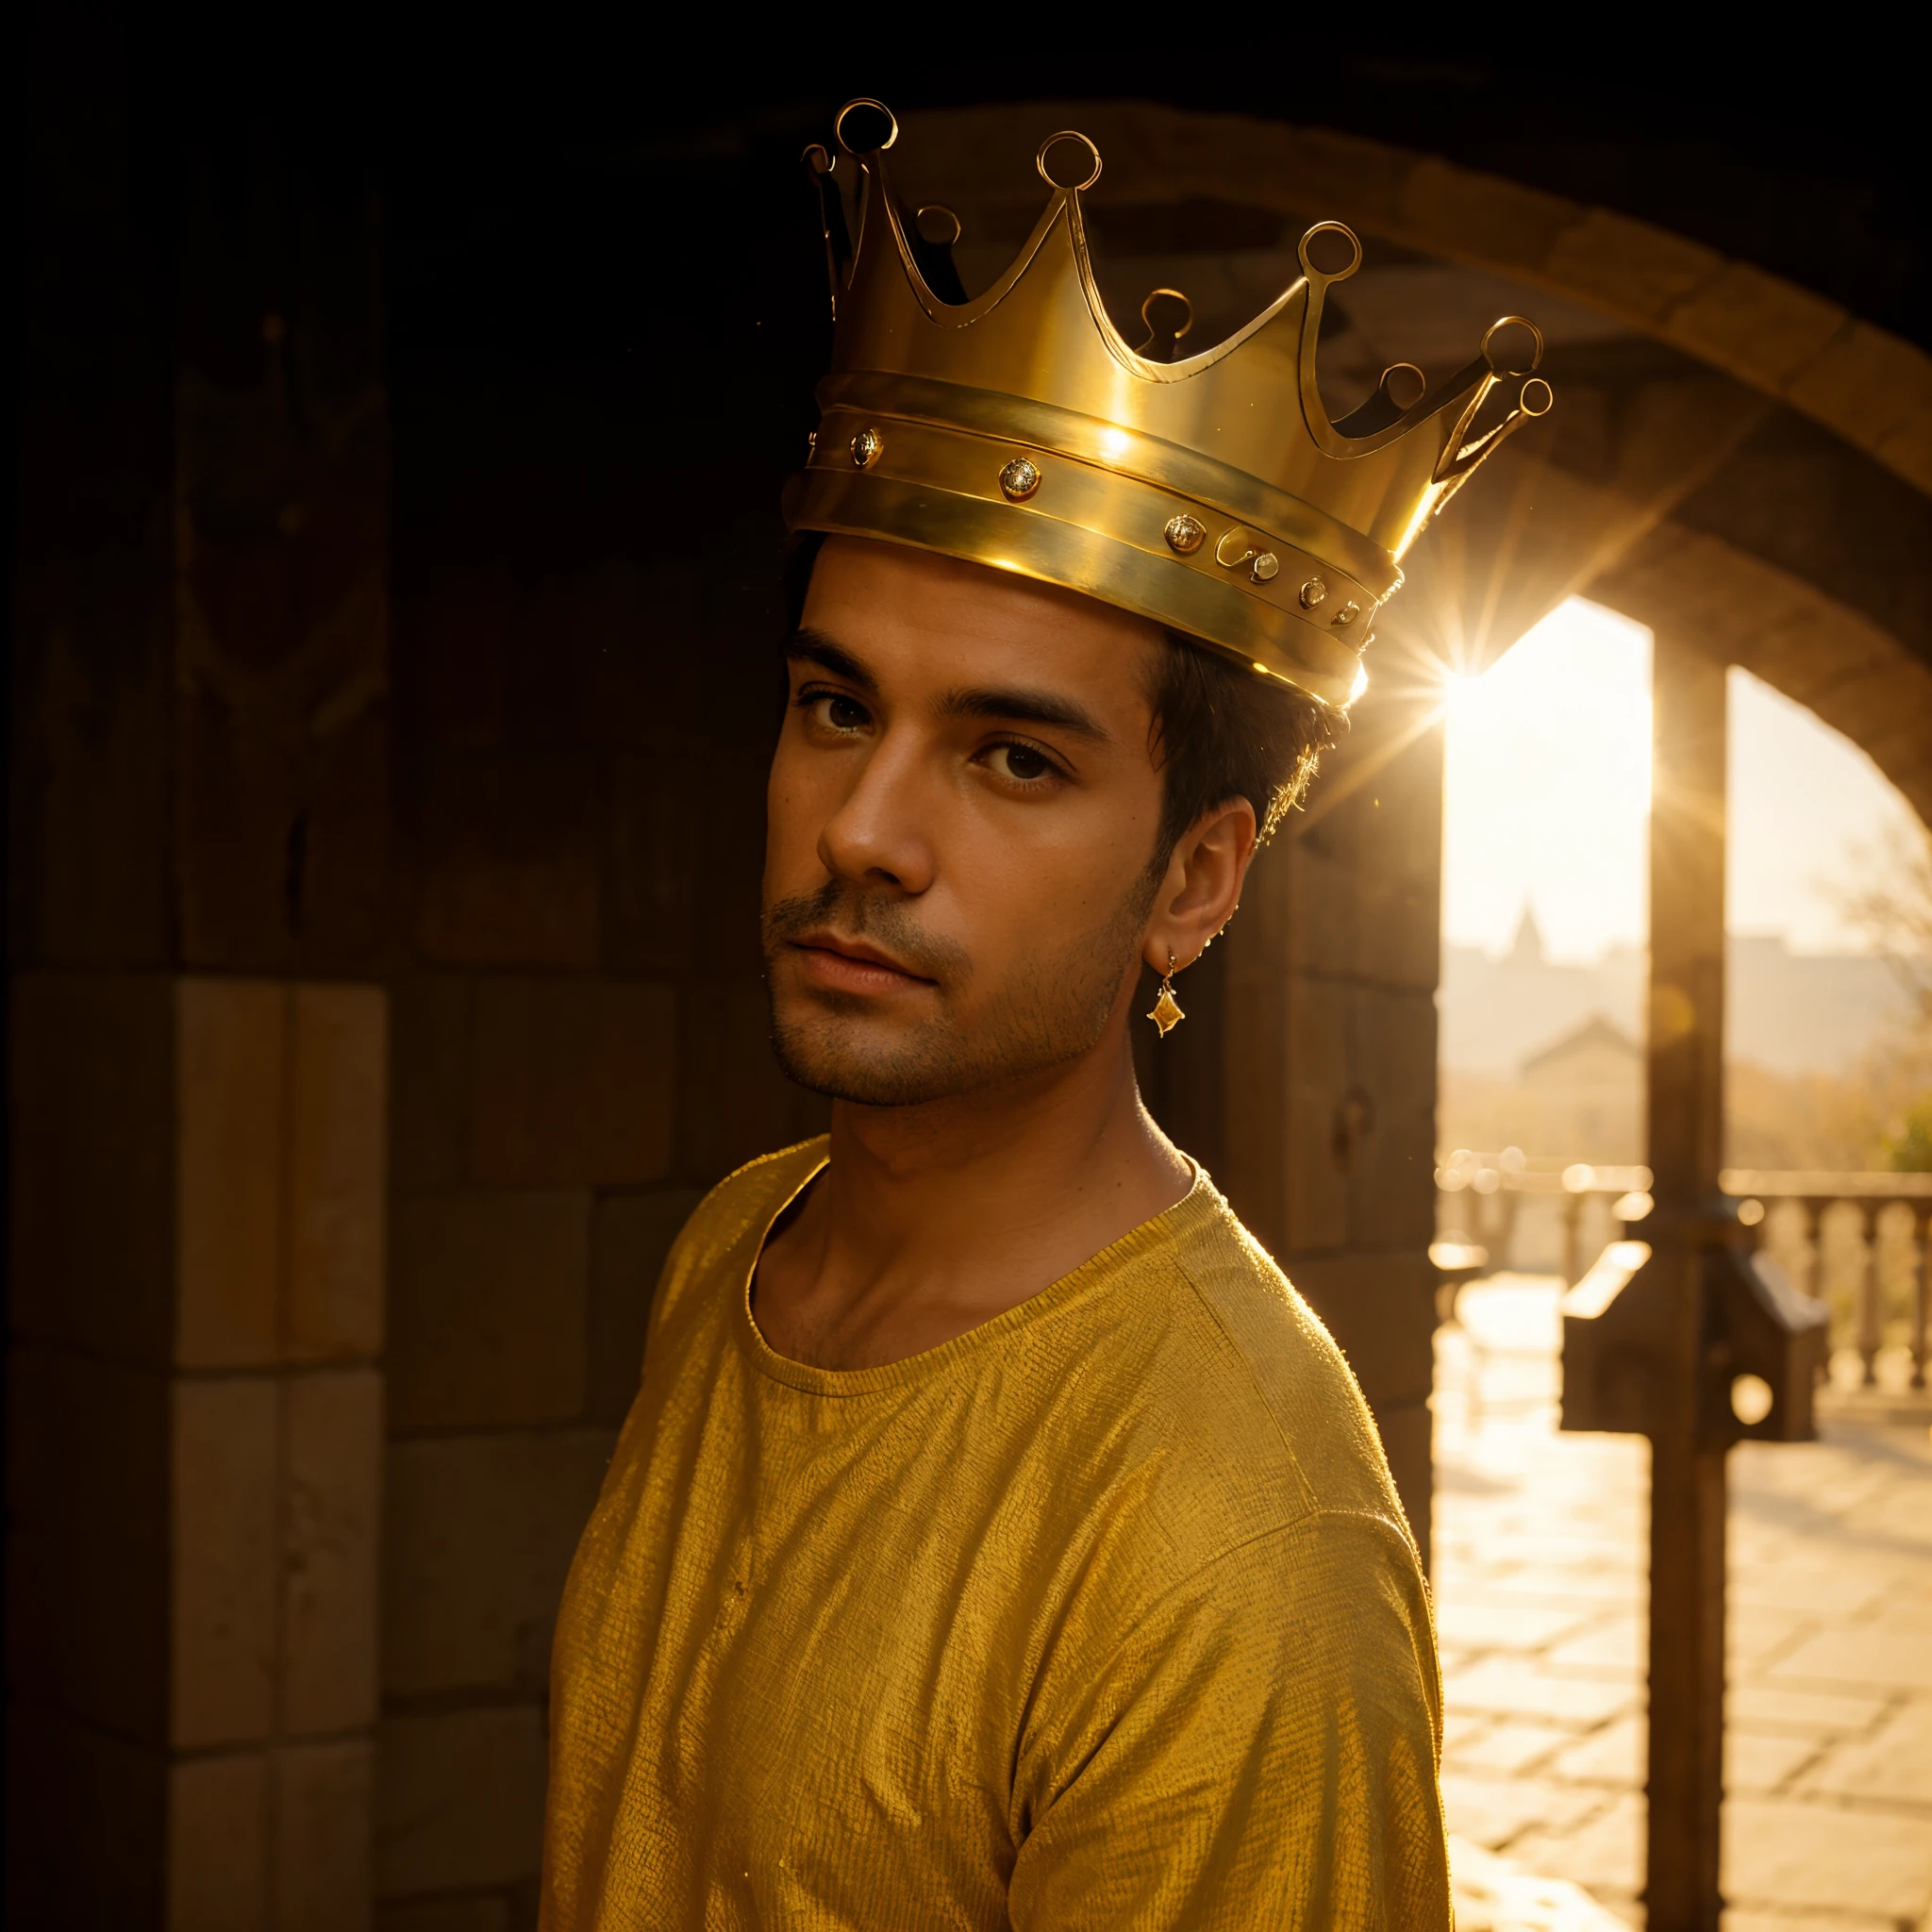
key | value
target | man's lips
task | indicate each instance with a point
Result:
(852, 965)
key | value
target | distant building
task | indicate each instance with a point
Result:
(1788, 1012)
(1584, 1095)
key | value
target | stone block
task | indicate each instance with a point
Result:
(1334, 169)
(1908, 450)
(657, 864)
(231, 1048)
(91, 1208)
(455, 655)
(218, 1843)
(1784, 1853)
(1498, 223)
(1629, 267)
(1866, 384)
(86, 1824)
(1397, 926)
(460, 1801)
(488, 1311)
(481, 1530)
(1390, 1165)
(337, 1171)
(223, 1598)
(1895, 1763)
(733, 1103)
(1254, 1169)
(630, 1236)
(1753, 325)
(1324, 881)
(331, 1529)
(324, 1836)
(485, 1912)
(88, 1545)
(512, 870)
(429, 1080)
(645, 670)
(1325, 1118)
(574, 1082)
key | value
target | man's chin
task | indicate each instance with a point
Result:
(859, 1059)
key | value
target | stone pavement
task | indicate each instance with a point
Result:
(1540, 1604)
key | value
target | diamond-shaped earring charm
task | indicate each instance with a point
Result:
(1166, 1013)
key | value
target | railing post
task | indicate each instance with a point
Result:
(1922, 1294)
(1871, 1298)
(1686, 1134)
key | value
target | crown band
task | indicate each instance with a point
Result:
(1116, 448)
(981, 527)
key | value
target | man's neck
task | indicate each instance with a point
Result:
(933, 1219)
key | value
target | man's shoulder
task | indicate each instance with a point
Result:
(735, 1216)
(1246, 1374)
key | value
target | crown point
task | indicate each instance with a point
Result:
(1404, 383)
(1065, 160)
(1512, 346)
(1329, 237)
(1168, 315)
(866, 127)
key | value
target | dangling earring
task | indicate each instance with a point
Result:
(1167, 1012)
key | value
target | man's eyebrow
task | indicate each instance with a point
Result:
(815, 647)
(1023, 707)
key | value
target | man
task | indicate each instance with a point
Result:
(997, 1539)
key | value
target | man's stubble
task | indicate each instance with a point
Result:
(1054, 1008)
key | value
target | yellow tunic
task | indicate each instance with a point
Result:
(1103, 1614)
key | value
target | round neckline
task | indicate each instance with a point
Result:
(1161, 1229)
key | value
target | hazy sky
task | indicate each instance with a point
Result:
(1549, 789)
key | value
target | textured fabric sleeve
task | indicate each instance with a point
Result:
(1263, 1751)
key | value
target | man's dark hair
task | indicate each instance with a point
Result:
(1221, 731)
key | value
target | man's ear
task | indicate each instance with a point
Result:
(1202, 885)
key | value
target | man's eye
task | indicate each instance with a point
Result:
(1023, 763)
(835, 710)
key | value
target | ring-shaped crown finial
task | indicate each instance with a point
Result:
(1052, 141)
(1493, 356)
(1177, 312)
(877, 107)
(1314, 234)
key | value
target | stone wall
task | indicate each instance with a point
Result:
(392, 683)
(198, 815)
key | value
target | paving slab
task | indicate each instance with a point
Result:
(1541, 1592)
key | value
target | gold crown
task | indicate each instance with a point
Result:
(1211, 495)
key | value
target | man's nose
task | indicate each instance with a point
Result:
(880, 830)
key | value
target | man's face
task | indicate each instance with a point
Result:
(962, 814)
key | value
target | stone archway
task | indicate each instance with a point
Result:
(1678, 498)
(1733, 460)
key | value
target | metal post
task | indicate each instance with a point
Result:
(1922, 1295)
(1870, 1294)
(1686, 1131)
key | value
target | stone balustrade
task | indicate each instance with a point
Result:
(1857, 1241)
